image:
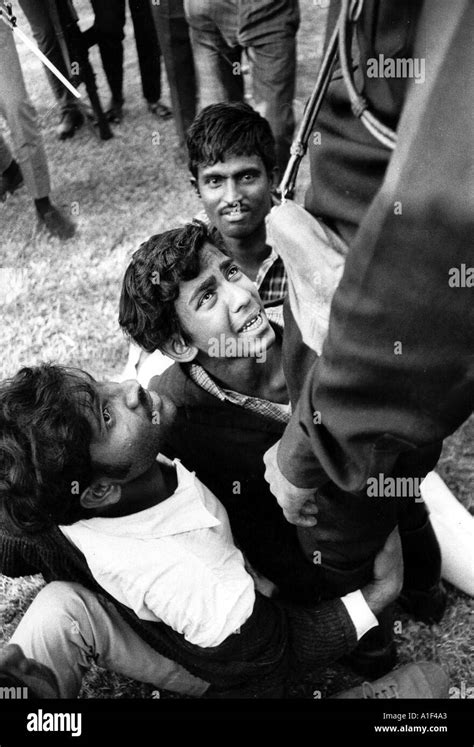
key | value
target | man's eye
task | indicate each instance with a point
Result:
(213, 181)
(206, 297)
(248, 177)
(107, 416)
(233, 271)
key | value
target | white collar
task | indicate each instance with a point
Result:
(184, 511)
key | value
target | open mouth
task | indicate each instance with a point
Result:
(235, 211)
(254, 323)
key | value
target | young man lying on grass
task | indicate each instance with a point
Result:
(153, 585)
(229, 388)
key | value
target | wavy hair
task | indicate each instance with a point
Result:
(152, 281)
(45, 434)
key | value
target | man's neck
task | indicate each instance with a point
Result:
(250, 251)
(151, 488)
(251, 376)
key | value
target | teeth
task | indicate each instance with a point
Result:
(252, 323)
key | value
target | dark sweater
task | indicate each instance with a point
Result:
(271, 647)
(225, 443)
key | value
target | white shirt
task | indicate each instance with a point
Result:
(176, 562)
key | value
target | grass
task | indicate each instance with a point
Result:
(120, 192)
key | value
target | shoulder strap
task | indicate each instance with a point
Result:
(338, 46)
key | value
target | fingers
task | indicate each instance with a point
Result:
(302, 514)
(298, 505)
(299, 519)
(270, 453)
(269, 459)
(309, 508)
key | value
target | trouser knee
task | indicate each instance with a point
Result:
(62, 603)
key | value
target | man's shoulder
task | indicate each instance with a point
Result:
(178, 385)
(23, 553)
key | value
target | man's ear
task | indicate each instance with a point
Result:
(195, 185)
(275, 177)
(180, 351)
(100, 494)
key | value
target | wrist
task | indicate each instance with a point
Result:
(375, 597)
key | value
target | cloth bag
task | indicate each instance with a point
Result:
(314, 258)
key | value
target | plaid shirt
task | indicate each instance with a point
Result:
(271, 280)
(261, 406)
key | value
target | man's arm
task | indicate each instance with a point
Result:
(204, 620)
(321, 634)
(13, 560)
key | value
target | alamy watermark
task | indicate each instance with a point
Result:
(237, 347)
(13, 693)
(45, 721)
(462, 692)
(461, 277)
(389, 67)
(395, 487)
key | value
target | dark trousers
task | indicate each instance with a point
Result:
(173, 33)
(42, 28)
(16, 107)
(266, 29)
(108, 33)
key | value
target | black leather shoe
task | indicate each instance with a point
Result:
(159, 110)
(71, 120)
(372, 664)
(11, 182)
(428, 606)
(56, 223)
(114, 112)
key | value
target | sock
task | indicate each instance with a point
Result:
(421, 557)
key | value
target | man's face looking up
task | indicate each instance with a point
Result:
(128, 427)
(236, 194)
(221, 304)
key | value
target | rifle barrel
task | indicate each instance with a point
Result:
(46, 62)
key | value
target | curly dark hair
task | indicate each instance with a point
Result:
(151, 283)
(44, 445)
(223, 130)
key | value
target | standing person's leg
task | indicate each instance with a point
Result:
(149, 55)
(28, 142)
(217, 54)
(108, 30)
(21, 117)
(37, 14)
(11, 177)
(173, 35)
(273, 76)
(68, 628)
(423, 593)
